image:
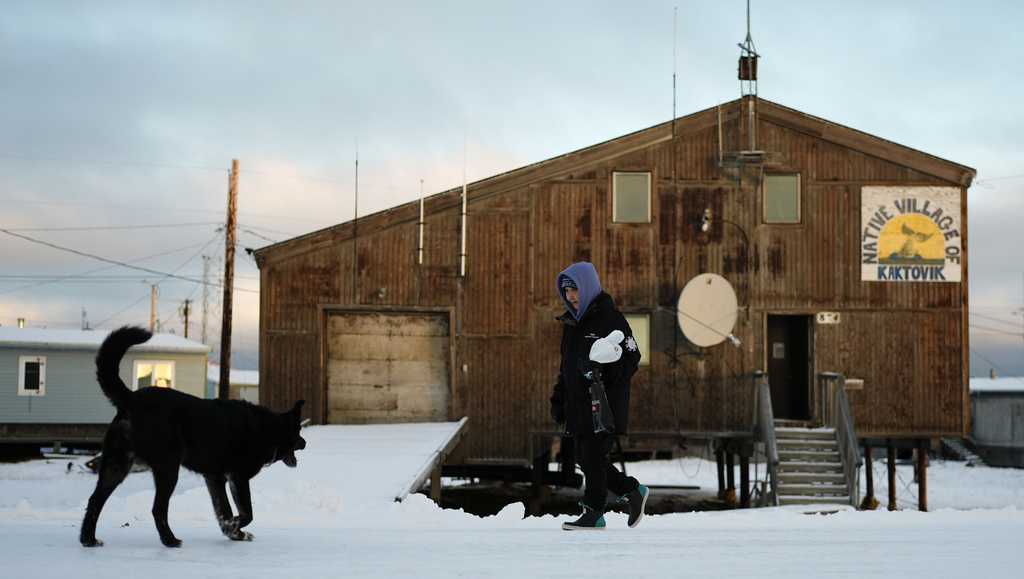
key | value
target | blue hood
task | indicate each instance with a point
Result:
(584, 275)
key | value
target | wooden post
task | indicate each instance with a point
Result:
(187, 310)
(152, 308)
(869, 503)
(720, 464)
(744, 481)
(730, 475)
(891, 460)
(229, 278)
(435, 484)
(922, 475)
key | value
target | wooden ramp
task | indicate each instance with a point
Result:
(380, 462)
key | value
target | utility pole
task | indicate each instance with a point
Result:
(206, 293)
(152, 308)
(229, 278)
(186, 310)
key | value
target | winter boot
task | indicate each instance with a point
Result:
(637, 501)
(591, 520)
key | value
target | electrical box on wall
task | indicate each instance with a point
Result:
(828, 317)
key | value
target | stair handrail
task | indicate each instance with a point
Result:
(836, 413)
(764, 427)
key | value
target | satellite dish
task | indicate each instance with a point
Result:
(707, 310)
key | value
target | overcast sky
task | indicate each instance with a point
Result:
(129, 113)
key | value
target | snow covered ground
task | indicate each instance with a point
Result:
(322, 520)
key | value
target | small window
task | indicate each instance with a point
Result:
(157, 373)
(782, 198)
(31, 376)
(631, 195)
(641, 325)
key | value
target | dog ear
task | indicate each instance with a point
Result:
(297, 409)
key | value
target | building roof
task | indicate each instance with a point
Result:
(1002, 384)
(236, 377)
(949, 171)
(47, 339)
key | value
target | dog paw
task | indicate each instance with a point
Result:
(94, 542)
(241, 536)
(173, 542)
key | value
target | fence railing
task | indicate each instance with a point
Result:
(764, 432)
(835, 413)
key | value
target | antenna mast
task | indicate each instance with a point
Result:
(675, 18)
(748, 82)
(355, 233)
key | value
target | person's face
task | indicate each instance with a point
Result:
(573, 295)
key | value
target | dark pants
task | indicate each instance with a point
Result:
(601, 477)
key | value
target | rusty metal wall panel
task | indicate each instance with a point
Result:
(500, 396)
(387, 367)
(497, 284)
(563, 231)
(437, 278)
(387, 266)
(291, 371)
(910, 367)
(297, 285)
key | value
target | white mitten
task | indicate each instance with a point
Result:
(607, 350)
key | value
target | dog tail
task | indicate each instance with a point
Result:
(108, 361)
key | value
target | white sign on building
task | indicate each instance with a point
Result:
(910, 234)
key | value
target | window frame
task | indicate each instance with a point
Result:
(154, 362)
(22, 391)
(645, 357)
(615, 194)
(799, 198)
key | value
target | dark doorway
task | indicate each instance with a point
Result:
(789, 366)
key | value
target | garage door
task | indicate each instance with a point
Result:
(387, 367)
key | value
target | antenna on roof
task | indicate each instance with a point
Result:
(462, 241)
(419, 247)
(675, 18)
(748, 62)
(748, 82)
(355, 233)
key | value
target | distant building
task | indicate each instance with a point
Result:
(48, 388)
(244, 384)
(997, 409)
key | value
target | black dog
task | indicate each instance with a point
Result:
(228, 442)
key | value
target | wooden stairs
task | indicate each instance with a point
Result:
(810, 467)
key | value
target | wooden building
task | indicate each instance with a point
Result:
(807, 219)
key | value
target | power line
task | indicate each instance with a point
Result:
(113, 227)
(994, 365)
(253, 233)
(996, 331)
(1013, 323)
(160, 165)
(111, 261)
(161, 209)
(61, 278)
(121, 311)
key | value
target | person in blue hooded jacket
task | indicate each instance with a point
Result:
(591, 316)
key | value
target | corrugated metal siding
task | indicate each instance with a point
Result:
(500, 396)
(910, 367)
(498, 282)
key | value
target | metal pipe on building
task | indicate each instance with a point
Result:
(462, 251)
(419, 248)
